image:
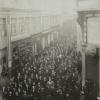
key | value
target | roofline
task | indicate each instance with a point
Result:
(88, 11)
(17, 10)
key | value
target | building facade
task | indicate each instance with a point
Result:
(21, 26)
(88, 34)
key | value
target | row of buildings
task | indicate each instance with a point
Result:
(21, 24)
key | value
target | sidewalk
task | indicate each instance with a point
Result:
(0, 96)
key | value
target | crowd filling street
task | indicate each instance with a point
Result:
(52, 74)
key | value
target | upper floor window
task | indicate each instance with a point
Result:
(3, 27)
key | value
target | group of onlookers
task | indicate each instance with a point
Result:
(52, 74)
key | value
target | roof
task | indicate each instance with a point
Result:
(89, 11)
(17, 10)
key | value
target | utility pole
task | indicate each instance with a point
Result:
(8, 27)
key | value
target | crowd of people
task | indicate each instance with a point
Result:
(52, 74)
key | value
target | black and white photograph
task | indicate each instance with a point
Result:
(49, 49)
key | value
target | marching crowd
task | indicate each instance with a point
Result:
(52, 74)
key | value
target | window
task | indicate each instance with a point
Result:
(3, 27)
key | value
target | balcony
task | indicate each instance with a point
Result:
(88, 5)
